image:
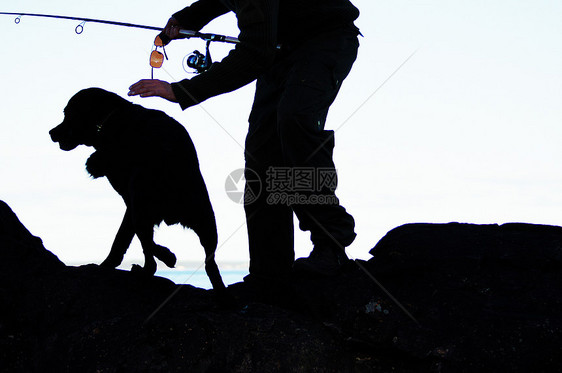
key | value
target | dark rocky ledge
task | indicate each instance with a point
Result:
(481, 298)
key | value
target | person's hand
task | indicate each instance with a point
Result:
(153, 87)
(172, 29)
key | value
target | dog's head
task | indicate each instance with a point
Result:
(84, 117)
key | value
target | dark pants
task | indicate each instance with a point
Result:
(286, 145)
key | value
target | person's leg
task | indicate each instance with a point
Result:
(270, 226)
(318, 69)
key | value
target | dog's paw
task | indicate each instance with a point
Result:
(136, 269)
(110, 262)
(165, 255)
(142, 271)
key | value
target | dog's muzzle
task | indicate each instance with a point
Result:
(61, 135)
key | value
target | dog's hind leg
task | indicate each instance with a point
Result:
(121, 242)
(213, 271)
(208, 238)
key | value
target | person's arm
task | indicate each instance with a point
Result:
(257, 21)
(200, 13)
(193, 17)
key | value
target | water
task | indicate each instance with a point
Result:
(198, 277)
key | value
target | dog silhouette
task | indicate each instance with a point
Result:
(150, 160)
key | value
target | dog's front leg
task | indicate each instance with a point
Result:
(145, 233)
(122, 242)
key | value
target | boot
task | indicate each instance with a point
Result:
(324, 261)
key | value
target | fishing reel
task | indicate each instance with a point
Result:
(198, 61)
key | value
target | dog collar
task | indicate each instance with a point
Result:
(100, 125)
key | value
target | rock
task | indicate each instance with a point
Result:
(490, 295)
(435, 298)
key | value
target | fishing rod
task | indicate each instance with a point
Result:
(80, 28)
(198, 61)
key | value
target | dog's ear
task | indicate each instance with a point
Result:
(94, 106)
(96, 164)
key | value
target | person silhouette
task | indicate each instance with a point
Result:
(299, 52)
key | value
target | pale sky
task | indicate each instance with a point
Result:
(468, 129)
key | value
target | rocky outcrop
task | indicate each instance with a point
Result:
(434, 298)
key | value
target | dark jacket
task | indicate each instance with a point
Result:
(263, 25)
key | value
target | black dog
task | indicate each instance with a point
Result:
(150, 160)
